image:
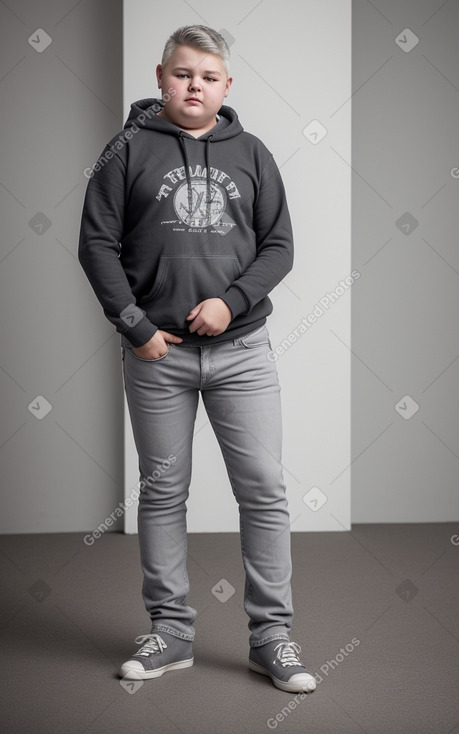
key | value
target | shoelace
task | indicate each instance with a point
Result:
(154, 645)
(288, 653)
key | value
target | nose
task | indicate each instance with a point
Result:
(195, 84)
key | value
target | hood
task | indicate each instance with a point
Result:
(143, 114)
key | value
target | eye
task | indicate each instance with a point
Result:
(182, 76)
(210, 79)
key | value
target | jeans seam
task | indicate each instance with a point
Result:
(270, 638)
(172, 631)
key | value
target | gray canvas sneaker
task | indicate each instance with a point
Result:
(279, 660)
(159, 653)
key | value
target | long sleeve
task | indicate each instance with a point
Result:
(274, 258)
(99, 250)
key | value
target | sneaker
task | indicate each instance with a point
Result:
(156, 656)
(279, 660)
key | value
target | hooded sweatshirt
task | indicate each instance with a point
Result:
(170, 220)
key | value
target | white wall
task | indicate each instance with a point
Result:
(285, 77)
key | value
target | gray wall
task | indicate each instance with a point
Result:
(405, 307)
(65, 471)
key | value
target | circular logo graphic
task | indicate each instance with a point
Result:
(198, 212)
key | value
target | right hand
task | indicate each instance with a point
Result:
(157, 347)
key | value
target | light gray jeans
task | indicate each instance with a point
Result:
(241, 394)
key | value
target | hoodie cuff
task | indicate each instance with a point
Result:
(235, 300)
(141, 333)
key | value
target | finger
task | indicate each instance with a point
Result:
(206, 330)
(196, 324)
(171, 338)
(194, 311)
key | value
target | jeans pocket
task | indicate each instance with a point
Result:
(257, 338)
(130, 350)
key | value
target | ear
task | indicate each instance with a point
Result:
(159, 75)
(229, 81)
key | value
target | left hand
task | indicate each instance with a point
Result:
(210, 317)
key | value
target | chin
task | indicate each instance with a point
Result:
(198, 119)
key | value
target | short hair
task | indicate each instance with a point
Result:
(201, 37)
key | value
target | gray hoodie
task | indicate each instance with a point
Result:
(170, 220)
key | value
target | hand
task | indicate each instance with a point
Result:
(157, 346)
(210, 317)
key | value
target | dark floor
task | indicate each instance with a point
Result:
(376, 615)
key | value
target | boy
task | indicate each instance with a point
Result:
(185, 230)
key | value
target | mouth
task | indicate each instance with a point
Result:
(193, 100)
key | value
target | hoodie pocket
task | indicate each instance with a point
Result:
(183, 281)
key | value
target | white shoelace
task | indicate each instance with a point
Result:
(288, 653)
(154, 645)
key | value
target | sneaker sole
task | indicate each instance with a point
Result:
(133, 674)
(282, 685)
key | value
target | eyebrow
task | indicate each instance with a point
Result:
(184, 68)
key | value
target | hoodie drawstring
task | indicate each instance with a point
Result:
(188, 175)
(208, 198)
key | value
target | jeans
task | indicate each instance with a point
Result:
(241, 394)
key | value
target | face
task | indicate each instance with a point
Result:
(199, 83)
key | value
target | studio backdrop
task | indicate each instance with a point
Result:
(62, 433)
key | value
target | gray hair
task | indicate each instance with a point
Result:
(201, 37)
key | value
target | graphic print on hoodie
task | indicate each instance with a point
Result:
(170, 220)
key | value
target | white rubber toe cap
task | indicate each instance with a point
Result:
(133, 669)
(303, 681)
